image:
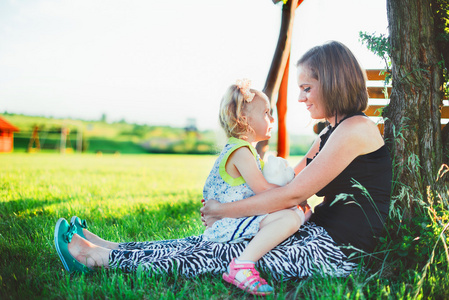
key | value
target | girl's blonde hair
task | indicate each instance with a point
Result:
(342, 81)
(232, 109)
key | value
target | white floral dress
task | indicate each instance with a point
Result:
(222, 187)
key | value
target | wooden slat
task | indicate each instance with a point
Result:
(372, 110)
(381, 128)
(375, 74)
(377, 92)
(445, 112)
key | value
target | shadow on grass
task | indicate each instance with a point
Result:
(15, 207)
(147, 221)
(29, 264)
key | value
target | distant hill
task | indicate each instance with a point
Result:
(121, 137)
(100, 136)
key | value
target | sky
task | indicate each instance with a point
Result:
(161, 62)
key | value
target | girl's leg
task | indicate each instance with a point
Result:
(274, 229)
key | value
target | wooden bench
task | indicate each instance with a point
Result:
(377, 100)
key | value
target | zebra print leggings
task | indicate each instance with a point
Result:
(308, 251)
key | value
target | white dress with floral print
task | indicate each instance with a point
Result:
(222, 187)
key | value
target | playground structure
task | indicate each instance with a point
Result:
(61, 141)
(277, 80)
(7, 135)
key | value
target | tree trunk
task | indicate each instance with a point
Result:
(413, 130)
(445, 135)
(279, 61)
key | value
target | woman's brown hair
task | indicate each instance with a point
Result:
(341, 78)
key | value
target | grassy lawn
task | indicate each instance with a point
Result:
(138, 197)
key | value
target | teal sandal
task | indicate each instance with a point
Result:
(79, 224)
(63, 236)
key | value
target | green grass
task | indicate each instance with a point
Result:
(145, 197)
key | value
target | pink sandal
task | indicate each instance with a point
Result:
(249, 284)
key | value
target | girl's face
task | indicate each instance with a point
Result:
(259, 118)
(309, 94)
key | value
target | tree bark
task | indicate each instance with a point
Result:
(413, 130)
(279, 61)
(445, 136)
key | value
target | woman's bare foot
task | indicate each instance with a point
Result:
(95, 239)
(88, 253)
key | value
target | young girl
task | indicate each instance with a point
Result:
(236, 175)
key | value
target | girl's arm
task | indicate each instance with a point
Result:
(242, 163)
(356, 136)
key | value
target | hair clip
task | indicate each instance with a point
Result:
(244, 87)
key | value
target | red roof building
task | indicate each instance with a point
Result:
(7, 135)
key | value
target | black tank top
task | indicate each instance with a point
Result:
(356, 202)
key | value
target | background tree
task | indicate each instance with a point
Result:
(413, 129)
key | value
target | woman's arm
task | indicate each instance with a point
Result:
(310, 154)
(354, 137)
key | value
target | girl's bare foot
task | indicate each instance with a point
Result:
(88, 253)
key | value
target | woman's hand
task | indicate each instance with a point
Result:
(210, 212)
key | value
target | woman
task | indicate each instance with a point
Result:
(348, 164)
(348, 158)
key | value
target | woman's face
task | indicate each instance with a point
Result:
(309, 93)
